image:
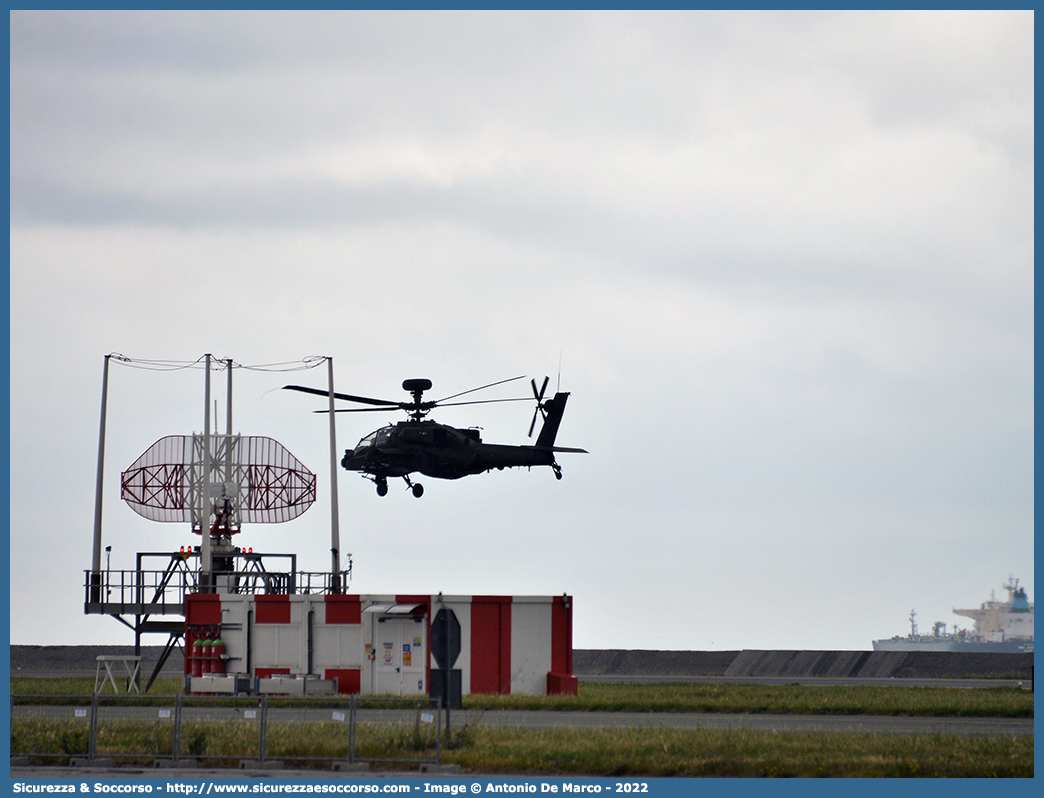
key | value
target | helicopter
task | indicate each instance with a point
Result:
(420, 445)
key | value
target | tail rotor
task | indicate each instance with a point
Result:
(539, 396)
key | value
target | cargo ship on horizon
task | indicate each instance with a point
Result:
(1000, 627)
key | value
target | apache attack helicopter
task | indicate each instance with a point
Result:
(438, 450)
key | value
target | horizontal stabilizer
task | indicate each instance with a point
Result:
(557, 449)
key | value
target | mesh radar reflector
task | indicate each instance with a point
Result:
(253, 479)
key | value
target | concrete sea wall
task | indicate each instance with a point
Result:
(630, 662)
(850, 664)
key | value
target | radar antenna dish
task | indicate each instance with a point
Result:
(253, 479)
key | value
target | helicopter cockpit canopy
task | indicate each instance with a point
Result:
(378, 438)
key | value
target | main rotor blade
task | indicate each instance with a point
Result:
(345, 396)
(484, 402)
(501, 382)
(359, 410)
(410, 407)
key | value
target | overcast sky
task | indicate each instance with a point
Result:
(785, 261)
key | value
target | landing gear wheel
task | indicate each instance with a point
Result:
(382, 488)
(557, 469)
(418, 489)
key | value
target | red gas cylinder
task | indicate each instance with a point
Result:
(196, 658)
(204, 655)
(217, 656)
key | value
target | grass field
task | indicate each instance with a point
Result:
(597, 752)
(646, 752)
(684, 697)
(776, 699)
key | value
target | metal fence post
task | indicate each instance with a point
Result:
(438, 735)
(264, 729)
(444, 702)
(177, 727)
(351, 730)
(92, 734)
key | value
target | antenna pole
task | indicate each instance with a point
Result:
(96, 557)
(228, 400)
(230, 501)
(204, 510)
(335, 534)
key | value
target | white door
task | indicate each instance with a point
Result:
(400, 659)
(387, 644)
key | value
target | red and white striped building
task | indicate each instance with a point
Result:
(383, 643)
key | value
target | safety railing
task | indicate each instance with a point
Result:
(180, 731)
(163, 592)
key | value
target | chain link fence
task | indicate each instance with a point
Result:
(265, 731)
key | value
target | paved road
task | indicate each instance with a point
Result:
(824, 681)
(759, 722)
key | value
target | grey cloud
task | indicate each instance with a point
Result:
(787, 259)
